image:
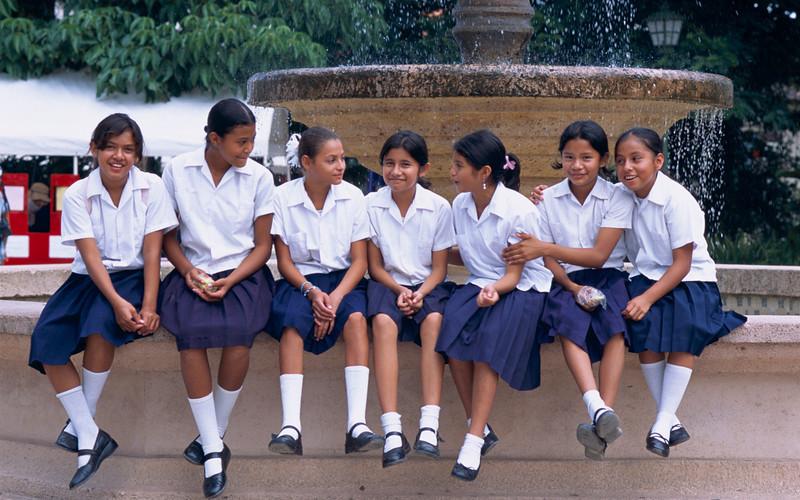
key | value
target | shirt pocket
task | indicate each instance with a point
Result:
(557, 232)
(423, 242)
(298, 247)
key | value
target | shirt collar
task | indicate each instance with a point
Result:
(298, 196)
(136, 180)
(659, 193)
(422, 199)
(197, 158)
(601, 190)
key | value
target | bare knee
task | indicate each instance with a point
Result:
(384, 329)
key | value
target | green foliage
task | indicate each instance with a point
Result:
(749, 248)
(7, 8)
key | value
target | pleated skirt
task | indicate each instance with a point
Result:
(687, 319)
(506, 336)
(78, 309)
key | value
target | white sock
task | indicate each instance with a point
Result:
(676, 379)
(224, 401)
(486, 430)
(391, 423)
(77, 409)
(291, 398)
(470, 454)
(205, 416)
(93, 383)
(654, 377)
(593, 403)
(356, 380)
(429, 417)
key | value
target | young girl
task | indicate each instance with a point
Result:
(219, 294)
(583, 219)
(412, 231)
(675, 306)
(321, 231)
(115, 217)
(490, 324)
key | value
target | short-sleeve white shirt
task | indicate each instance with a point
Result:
(118, 231)
(216, 222)
(567, 223)
(668, 218)
(406, 243)
(319, 241)
(482, 240)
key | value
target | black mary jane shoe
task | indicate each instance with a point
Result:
(66, 440)
(658, 444)
(214, 485)
(678, 434)
(365, 441)
(426, 448)
(464, 473)
(104, 446)
(194, 452)
(489, 441)
(284, 444)
(396, 455)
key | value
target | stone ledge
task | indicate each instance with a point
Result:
(19, 318)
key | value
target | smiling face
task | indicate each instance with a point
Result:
(401, 171)
(327, 166)
(116, 157)
(235, 146)
(581, 163)
(465, 176)
(637, 165)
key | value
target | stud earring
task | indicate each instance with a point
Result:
(484, 185)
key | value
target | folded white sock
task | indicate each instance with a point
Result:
(429, 417)
(470, 454)
(390, 422)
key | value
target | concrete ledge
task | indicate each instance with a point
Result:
(43, 472)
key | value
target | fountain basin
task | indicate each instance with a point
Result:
(527, 106)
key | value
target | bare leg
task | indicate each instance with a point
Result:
(290, 354)
(62, 377)
(384, 335)
(483, 392)
(684, 359)
(463, 374)
(196, 372)
(648, 357)
(233, 367)
(579, 365)
(356, 341)
(431, 363)
(611, 368)
(99, 354)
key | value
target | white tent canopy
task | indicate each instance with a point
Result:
(56, 114)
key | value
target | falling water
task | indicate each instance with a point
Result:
(695, 160)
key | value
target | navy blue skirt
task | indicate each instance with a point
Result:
(78, 309)
(506, 335)
(233, 321)
(381, 300)
(588, 330)
(687, 319)
(291, 310)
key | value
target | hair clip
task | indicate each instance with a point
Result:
(292, 147)
(510, 164)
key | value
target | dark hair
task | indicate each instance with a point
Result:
(114, 125)
(484, 148)
(312, 140)
(592, 133)
(226, 115)
(649, 138)
(413, 144)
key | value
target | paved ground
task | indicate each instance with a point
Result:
(30, 471)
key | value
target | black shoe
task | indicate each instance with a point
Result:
(594, 447)
(285, 444)
(426, 448)
(104, 446)
(489, 441)
(194, 452)
(658, 444)
(214, 485)
(678, 434)
(607, 425)
(365, 441)
(464, 473)
(66, 440)
(396, 455)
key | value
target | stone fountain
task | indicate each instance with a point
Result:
(527, 106)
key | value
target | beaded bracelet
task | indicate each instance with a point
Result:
(303, 286)
(312, 287)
